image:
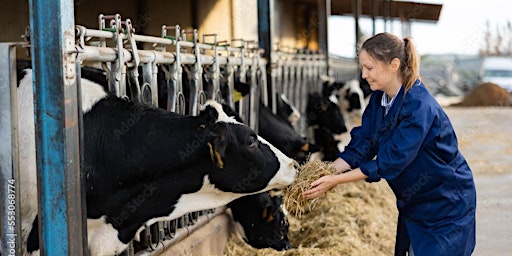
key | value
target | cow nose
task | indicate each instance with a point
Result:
(295, 165)
(287, 245)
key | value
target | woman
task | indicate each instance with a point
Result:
(407, 139)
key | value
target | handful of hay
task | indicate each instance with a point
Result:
(295, 203)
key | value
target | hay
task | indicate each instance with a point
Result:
(486, 94)
(356, 219)
(312, 170)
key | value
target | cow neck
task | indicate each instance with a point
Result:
(154, 144)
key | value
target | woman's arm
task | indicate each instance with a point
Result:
(325, 183)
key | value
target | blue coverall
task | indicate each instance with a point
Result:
(414, 148)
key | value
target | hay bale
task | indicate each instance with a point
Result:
(312, 170)
(357, 218)
(486, 94)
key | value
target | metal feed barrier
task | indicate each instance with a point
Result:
(176, 53)
(296, 73)
(208, 65)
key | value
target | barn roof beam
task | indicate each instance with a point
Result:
(413, 11)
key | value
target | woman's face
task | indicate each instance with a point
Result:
(380, 75)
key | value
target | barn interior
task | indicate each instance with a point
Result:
(297, 24)
(279, 30)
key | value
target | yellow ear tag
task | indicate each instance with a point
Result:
(219, 160)
(211, 151)
(237, 96)
(216, 158)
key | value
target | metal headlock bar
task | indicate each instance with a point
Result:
(217, 64)
(296, 74)
(117, 50)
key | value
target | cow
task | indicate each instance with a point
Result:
(279, 133)
(330, 144)
(324, 112)
(261, 221)
(143, 164)
(351, 96)
(352, 102)
(286, 110)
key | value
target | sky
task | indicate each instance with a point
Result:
(460, 29)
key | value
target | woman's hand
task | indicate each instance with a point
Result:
(320, 186)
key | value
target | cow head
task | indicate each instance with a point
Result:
(278, 131)
(325, 113)
(261, 221)
(232, 144)
(287, 110)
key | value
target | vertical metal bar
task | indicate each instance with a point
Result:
(265, 35)
(385, 14)
(324, 12)
(196, 86)
(265, 8)
(373, 14)
(357, 13)
(56, 105)
(229, 74)
(254, 96)
(9, 168)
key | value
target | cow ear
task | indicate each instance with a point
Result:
(310, 148)
(267, 214)
(210, 115)
(242, 88)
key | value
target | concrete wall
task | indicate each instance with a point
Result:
(295, 25)
(13, 21)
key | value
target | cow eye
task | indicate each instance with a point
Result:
(252, 141)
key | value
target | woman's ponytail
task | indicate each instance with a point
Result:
(411, 64)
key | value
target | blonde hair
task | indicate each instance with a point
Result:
(385, 47)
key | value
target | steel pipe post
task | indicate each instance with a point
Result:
(9, 168)
(56, 103)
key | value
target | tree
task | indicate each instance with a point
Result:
(498, 43)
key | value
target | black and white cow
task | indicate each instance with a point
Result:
(324, 115)
(286, 110)
(350, 96)
(144, 164)
(324, 112)
(279, 133)
(330, 144)
(352, 102)
(261, 221)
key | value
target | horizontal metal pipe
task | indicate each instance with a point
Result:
(156, 40)
(106, 54)
(181, 234)
(97, 33)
